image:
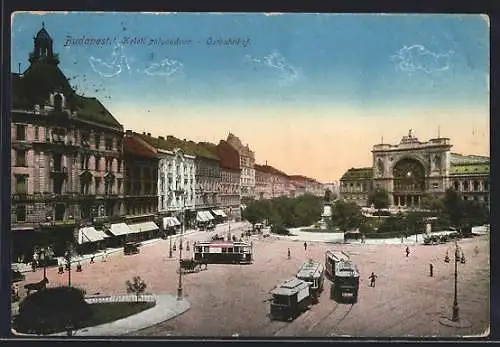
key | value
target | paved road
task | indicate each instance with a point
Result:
(231, 299)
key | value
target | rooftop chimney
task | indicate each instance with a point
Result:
(266, 162)
(161, 137)
(149, 134)
(143, 133)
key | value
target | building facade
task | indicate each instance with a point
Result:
(176, 181)
(247, 166)
(141, 180)
(230, 190)
(270, 182)
(412, 169)
(66, 157)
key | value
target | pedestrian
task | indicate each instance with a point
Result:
(289, 255)
(372, 279)
(79, 267)
(305, 246)
(92, 259)
(407, 251)
(431, 270)
(104, 256)
(33, 265)
(476, 250)
(446, 258)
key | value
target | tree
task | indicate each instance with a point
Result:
(136, 286)
(414, 222)
(346, 215)
(432, 203)
(453, 206)
(379, 198)
(53, 310)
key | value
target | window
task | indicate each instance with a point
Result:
(119, 186)
(97, 184)
(97, 159)
(58, 102)
(21, 132)
(435, 185)
(21, 187)
(97, 138)
(21, 213)
(37, 135)
(108, 143)
(20, 158)
(119, 164)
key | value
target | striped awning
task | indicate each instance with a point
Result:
(200, 217)
(90, 234)
(170, 222)
(143, 227)
(208, 215)
(120, 229)
(219, 213)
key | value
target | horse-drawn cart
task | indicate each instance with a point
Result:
(191, 265)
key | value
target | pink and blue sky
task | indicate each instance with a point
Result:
(309, 93)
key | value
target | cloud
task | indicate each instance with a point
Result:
(417, 57)
(117, 63)
(277, 63)
(166, 67)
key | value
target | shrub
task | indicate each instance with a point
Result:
(136, 286)
(52, 310)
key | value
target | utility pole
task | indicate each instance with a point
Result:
(179, 288)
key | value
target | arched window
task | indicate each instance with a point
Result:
(466, 185)
(58, 102)
(456, 185)
(409, 175)
(476, 186)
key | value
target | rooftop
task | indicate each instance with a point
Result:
(358, 173)
(135, 147)
(171, 143)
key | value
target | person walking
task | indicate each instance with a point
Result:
(92, 259)
(372, 279)
(289, 255)
(431, 270)
(104, 256)
(305, 246)
(407, 251)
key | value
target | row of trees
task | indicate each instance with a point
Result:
(285, 212)
(450, 210)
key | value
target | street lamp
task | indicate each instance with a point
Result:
(170, 248)
(68, 262)
(179, 288)
(455, 318)
(229, 220)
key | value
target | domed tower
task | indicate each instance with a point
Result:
(42, 51)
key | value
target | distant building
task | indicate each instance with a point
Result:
(412, 169)
(270, 182)
(311, 185)
(247, 166)
(229, 195)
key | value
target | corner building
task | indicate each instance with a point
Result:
(66, 157)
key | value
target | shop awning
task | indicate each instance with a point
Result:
(90, 234)
(208, 215)
(200, 217)
(170, 222)
(120, 229)
(219, 213)
(143, 227)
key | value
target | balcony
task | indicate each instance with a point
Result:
(57, 171)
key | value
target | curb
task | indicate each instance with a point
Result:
(121, 325)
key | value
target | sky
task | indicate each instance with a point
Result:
(309, 93)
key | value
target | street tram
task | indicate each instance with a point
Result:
(289, 299)
(333, 257)
(313, 273)
(225, 252)
(345, 282)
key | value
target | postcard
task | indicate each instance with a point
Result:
(250, 175)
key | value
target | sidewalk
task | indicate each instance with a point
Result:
(167, 307)
(85, 258)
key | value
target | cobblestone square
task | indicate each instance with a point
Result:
(232, 299)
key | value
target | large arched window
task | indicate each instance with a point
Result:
(409, 176)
